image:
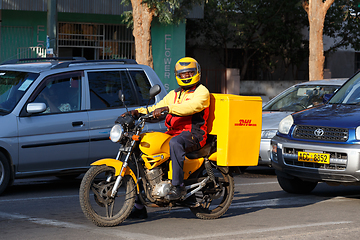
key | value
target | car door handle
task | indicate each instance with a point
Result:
(77, 124)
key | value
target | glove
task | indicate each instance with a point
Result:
(134, 113)
(157, 112)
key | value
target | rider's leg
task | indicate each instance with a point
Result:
(179, 145)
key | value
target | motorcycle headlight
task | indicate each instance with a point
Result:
(285, 124)
(116, 133)
(268, 134)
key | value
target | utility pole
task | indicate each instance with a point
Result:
(51, 39)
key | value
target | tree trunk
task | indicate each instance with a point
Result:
(316, 10)
(142, 16)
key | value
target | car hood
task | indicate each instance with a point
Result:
(331, 115)
(271, 120)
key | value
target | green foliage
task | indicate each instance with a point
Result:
(342, 23)
(167, 11)
(262, 29)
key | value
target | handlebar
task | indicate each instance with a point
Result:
(150, 115)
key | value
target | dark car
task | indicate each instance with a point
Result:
(296, 98)
(56, 115)
(320, 144)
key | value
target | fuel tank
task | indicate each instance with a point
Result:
(155, 146)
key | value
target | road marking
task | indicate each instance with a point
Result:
(37, 198)
(129, 235)
(41, 221)
(261, 230)
(55, 223)
(275, 202)
(250, 184)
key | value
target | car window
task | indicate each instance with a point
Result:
(142, 86)
(13, 85)
(300, 97)
(61, 93)
(105, 86)
(349, 93)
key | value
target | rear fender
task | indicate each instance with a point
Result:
(116, 164)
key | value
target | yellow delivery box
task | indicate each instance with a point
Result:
(236, 120)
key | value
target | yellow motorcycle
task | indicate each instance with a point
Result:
(142, 167)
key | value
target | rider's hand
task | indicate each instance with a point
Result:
(157, 112)
(134, 113)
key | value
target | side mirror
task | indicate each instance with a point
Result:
(35, 108)
(154, 90)
(327, 97)
(121, 96)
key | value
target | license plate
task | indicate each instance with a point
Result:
(323, 158)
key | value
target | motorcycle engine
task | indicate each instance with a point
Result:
(160, 188)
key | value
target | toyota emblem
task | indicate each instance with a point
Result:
(319, 132)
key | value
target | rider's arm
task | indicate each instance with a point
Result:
(163, 103)
(200, 100)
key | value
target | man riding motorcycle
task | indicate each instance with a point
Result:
(188, 110)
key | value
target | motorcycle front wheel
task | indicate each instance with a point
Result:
(95, 196)
(215, 200)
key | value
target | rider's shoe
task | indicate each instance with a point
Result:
(176, 192)
(138, 213)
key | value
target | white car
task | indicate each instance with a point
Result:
(296, 98)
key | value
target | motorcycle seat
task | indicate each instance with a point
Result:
(206, 150)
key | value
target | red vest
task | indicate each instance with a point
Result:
(195, 123)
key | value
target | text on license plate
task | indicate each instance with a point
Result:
(314, 157)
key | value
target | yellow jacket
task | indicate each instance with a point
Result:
(188, 111)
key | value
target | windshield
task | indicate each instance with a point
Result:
(13, 85)
(297, 98)
(349, 93)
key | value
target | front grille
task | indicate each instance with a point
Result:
(321, 133)
(338, 161)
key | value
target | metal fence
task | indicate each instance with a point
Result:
(108, 41)
(31, 52)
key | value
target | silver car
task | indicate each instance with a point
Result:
(56, 115)
(296, 98)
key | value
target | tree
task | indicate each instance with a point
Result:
(316, 10)
(142, 14)
(342, 23)
(260, 29)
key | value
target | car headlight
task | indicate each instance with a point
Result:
(116, 133)
(357, 133)
(268, 134)
(285, 124)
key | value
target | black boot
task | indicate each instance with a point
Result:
(138, 213)
(176, 193)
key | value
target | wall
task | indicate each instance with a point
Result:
(266, 89)
(341, 64)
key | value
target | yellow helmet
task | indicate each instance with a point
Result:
(187, 64)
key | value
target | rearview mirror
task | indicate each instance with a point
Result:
(327, 97)
(121, 96)
(154, 90)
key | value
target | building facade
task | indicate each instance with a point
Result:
(84, 28)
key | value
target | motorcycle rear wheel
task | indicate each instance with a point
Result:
(95, 200)
(214, 202)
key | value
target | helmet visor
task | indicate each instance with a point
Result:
(180, 73)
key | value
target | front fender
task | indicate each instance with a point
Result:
(116, 164)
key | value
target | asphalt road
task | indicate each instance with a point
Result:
(48, 208)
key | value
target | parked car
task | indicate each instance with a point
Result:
(321, 144)
(296, 98)
(56, 115)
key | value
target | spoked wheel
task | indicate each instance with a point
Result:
(95, 196)
(215, 200)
